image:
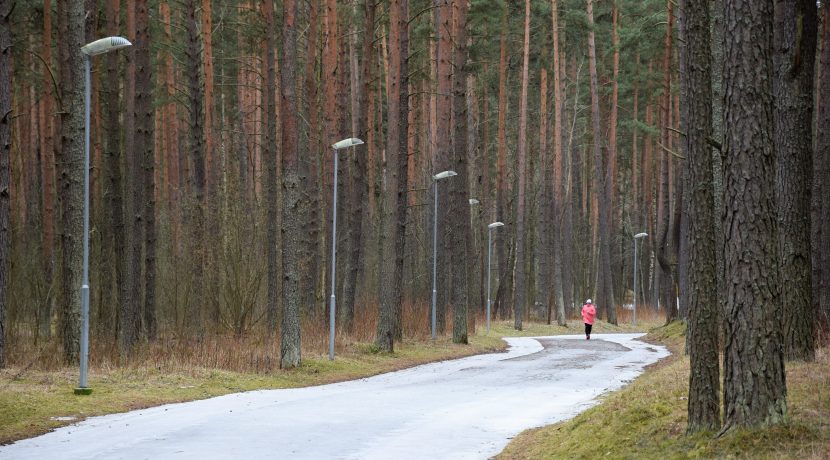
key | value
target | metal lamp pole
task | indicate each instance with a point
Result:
(636, 237)
(435, 179)
(95, 48)
(490, 228)
(350, 142)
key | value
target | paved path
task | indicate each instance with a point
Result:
(462, 409)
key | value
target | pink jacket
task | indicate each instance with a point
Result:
(588, 313)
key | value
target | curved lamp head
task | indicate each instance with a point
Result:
(350, 142)
(105, 45)
(444, 175)
(640, 235)
(473, 201)
(496, 225)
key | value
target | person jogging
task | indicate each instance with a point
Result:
(589, 312)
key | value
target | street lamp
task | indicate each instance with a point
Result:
(490, 228)
(350, 142)
(435, 179)
(104, 45)
(636, 237)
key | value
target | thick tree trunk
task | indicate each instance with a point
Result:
(442, 161)
(292, 183)
(5, 155)
(821, 181)
(794, 55)
(394, 193)
(522, 160)
(197, 151)
(755, 389)
(211, 171)
(664, 285)
(71, 15)
(459, 186)
(702, 344)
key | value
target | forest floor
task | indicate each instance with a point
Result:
(34, 401)
(648, 419)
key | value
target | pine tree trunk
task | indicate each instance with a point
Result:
(395, 185)
(794, 54)
(211, 173)
(501, 305)
(557, 225)
(522, 161)
(754, 382)
(702, 344)
(145, 115)
(821, 180)
(292, 186)
(47, 163)
(543, 234)
(5, 156)
(71, 16)
(443, 158)
(459, 186)
(270, 105)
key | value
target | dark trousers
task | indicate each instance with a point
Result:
(588, 329)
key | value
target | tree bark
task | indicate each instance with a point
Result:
(754, 382)
(544, 233)
(501, 305)
(71, 16)
(5, 155)
(442, 161)
(292, 183)
(522, 160)
(270, 105)
(145, 115)
(794, 55)
(821, 181)
(702, 344)
(395, 185)
(459, 186)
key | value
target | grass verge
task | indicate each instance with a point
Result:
(34, 401)
(647, 419)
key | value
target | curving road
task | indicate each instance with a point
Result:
(462, 409)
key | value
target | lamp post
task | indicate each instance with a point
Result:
(101, 46)
(490, 228)
(350, 142)
(435, 179)
(636, 237)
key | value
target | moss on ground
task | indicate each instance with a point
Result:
(647, 419)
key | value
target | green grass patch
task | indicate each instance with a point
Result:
(647, 419)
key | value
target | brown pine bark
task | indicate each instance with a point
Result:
(71, 17)
(395, 184)
(211, 173)
(290, 329)
(755, 388)
(664, 287)
(795, 31)
(270, 105)
(442, 160)
(519, 301)
(459, 186)
(703, 325)
(5, 155)
(145, 115)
